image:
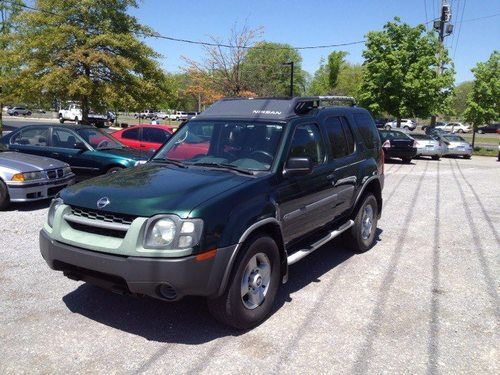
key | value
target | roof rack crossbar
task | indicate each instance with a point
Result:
(305, 104)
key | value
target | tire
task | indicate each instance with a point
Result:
(460, 131)
(480, 131)
(28, 113)
(406, 160)
(435, 157)
(16, 114)
(358, 241)
(467, 156)
(242, 312)
(76, 120)
(114, 170)
(61, 119)
(406, 128)
(388, 127)
(4, 196)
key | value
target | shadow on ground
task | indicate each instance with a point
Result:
(188, 321)
(29, 206)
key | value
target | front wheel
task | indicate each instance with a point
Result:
(435, 157)
(467, 156)
(61, 119)
(388, 127)
(249, 296)
(406, 128)
(480, 131)
(361, 236)
(460, 131)
(4, 196)
(406, 160)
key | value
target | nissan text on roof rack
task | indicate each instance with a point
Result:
(233, 199)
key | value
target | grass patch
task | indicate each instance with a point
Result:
(482, 151)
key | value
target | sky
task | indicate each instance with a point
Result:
(308, 22)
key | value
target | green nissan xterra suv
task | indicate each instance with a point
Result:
(233, 198)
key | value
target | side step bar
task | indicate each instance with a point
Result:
(299, 254)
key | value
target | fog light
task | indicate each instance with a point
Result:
(167, 291)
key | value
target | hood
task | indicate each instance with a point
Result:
(20, 162)
(153, 189)
(127, 152)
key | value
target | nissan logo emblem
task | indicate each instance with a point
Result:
(103, 202)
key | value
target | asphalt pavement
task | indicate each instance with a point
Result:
(424, 300)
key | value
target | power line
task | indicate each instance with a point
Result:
(459, 29)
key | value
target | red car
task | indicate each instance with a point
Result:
(144, 137)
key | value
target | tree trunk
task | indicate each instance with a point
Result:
(398, 125)
(473, 136)
(85, 109)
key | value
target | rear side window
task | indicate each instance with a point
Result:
(154, 135)
(340, 137)
(131, 134)
(32, 137)
(368, 130)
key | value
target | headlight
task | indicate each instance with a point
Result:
(170, 232)
(27, 176)
(139, 162)
(54, 205)
(67, 170)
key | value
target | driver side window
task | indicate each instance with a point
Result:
(306, 142)
(63, 138)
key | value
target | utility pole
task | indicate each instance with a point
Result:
(444, 28)
(291, 77)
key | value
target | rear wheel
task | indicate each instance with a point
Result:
(388, 127)
(467, 156)
(406, 160)
(460, 131)
(361, 236)
(406, 128)
(4, 196)
(249, 296)
(435, 157)
(61, 119)
(76, 120)
(16, 114)
(480, 131)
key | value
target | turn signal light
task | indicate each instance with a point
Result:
(18, 177)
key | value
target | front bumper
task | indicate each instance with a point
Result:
(33, 191)
(163, 278)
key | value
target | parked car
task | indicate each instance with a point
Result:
(190, 115)
(380, 122)
(144, 137)
(88, 150)
(280, 179)
(428, 127)
(397, 144)
(16, 111)
(491, 128)
(148, 113)
(454, 127)
(26, 178)
(162, 115)
(74, 113)
(428, 146)
(178, 116)
(406, 124)
(457, 146)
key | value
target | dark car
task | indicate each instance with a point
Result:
(89, 151)
(397, 144)
(491, 128)
(279, 178)
(380, 122)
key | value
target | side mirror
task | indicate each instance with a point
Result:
(80, 146)
(298, 166)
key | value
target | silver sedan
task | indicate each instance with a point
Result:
(428, 146)
(25, 177)
(457, 146)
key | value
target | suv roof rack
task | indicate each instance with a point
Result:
(279, 108)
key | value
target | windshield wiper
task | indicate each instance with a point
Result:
(225, 166)
(170, 161)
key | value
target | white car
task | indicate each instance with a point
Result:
(406, 124)
(454, 127)
(74, 113)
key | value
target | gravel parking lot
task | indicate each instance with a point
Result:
(423, 300)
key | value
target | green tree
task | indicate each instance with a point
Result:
(349, 80)
(86, 51)
(264, 73)
(336, 60)
(320, 84)
(459, 102)
(400, 72)
(483, 103)
(8, 12)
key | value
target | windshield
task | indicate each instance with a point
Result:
(392, 134)
(420, 136)
(244, 145)
(99, 139)
(454, 138)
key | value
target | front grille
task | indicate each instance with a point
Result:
(55, 173)
(97, 230)
(103, 216)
